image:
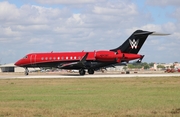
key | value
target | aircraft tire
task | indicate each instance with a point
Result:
(91, 71)
(82, 72)
(26, 73)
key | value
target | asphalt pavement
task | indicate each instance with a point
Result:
(21, 76)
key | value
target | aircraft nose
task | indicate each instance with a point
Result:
(18, 63)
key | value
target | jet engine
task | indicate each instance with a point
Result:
(108, 56)
(118, 56)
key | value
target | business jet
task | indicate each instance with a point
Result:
(89, 61)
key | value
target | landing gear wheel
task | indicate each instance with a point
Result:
(26, 73)
(82, 72)
(91, 71)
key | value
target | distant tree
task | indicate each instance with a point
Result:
(151, 64)
(161, 66)
(145, 65)
(139, 65)
(131, 66)
(172, 66)
(125, 68)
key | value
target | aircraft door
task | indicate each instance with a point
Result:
(33, 59)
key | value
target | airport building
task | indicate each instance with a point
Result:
(12, 68)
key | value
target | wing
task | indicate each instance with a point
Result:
(75, 65)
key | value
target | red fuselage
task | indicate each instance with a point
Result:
(39, 59)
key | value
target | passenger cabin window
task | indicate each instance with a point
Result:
(42, 58)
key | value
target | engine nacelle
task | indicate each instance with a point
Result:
(108, 56)
(116, 56)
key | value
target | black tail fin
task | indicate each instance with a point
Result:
(134, 43)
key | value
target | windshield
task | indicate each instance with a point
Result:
(25, 57)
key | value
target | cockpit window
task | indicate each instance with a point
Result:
(25, 57)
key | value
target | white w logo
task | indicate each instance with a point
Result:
(134, 43)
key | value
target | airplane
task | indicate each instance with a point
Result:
(89, 61)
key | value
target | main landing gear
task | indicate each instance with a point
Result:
(83, 72)
(91, 71)
(26, 72)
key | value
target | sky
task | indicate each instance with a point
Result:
(76, 25)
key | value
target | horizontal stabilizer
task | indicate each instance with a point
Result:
(159, 34)
(143, 33)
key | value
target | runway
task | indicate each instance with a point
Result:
(87, 76)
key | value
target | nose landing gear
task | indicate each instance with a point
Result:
(26, 72)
